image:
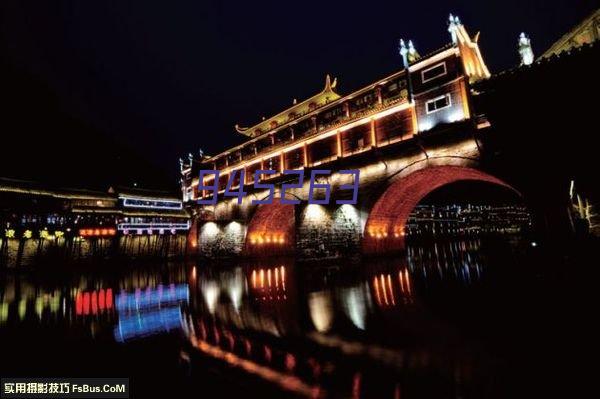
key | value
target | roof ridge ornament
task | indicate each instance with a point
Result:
(409, 53)
(453, 24)
(328, 84)
(403, 50)
(297, 110)
(413, 55)
(525, 50)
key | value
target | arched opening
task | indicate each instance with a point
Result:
(271, 230)
(385, 230)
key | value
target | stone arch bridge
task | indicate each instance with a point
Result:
(391, 184)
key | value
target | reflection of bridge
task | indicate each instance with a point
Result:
(262, 320)
(437, 121)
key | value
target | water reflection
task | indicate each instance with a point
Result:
(378, 329)
(150, 312)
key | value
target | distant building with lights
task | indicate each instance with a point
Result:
(469, 220)
(34, 213)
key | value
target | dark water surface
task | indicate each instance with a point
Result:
(452, 319)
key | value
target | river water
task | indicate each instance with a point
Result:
(463, 318)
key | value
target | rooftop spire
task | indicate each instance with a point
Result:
(403, 52)
(412, 52)
(525, 50)
(453, 24)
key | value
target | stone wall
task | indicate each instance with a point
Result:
(221, 239)
(328, 231)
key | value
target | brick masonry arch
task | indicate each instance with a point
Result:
(271, 231)
(384, 230)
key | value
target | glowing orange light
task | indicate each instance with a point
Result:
(385, 297)
(262, 278)
(377, 294)
(393, 297)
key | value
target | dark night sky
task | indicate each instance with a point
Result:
(121, 89)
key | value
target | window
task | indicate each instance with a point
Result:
(434, 72)
(438, 103)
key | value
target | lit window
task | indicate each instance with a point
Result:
(438, 103)
(434, 72)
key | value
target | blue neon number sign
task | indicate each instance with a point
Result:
(236, 180)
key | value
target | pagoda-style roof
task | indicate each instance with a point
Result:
(585, 32)
(135, 192)
(174, 213)
(468, 46)
(297, 110)
(41, 189)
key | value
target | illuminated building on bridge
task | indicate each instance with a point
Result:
(329, 127)
(441, 119)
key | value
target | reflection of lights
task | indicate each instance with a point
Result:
(210, 290)
(235, 286)
(290, 362)
(356, 380)
(148, 323)
(22, 309)
(404, 279)
(152, 298)
(320, 306)
(93, 302)
(269, 283)
(145, 312)
(355, 306)
(3, 312)
(284, 380)
(385, 294)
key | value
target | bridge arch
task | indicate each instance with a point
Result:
(271, 231)
(385, 226)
